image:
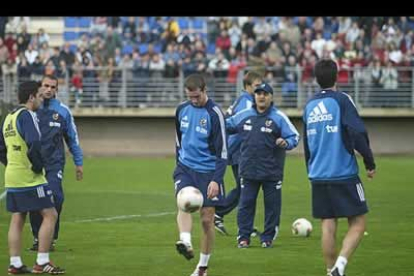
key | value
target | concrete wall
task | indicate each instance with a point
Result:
(156, 136)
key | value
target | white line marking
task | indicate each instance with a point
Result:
(3, 195)
(125, 217)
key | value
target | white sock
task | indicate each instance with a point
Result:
(203, 259)
(341, 264)
(42, 258)
(186, 237)
(16, 261)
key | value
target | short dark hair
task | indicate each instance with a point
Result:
(326, 72)
(26, 89)
(250, 76)
(51, 77)
(194, 81)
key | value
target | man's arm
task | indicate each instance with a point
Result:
(72, 140)
(3, 149)
(177, 133)
(288, 132)
(354, 127)
(28, 128)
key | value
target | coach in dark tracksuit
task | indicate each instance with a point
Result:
(266, 135)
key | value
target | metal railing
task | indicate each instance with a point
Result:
(127, 89)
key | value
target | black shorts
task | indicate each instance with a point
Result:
(339, 199)
(26, 200)
(184, 176)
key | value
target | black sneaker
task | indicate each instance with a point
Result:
(243, 244)
(255, 233)
(35, 245)
(335, 272)
(20, 270)
(219, 225)
(185, 249)
(267, 244)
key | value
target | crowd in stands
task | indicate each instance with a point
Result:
(218, 46)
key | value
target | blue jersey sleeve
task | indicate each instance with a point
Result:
(288, 131)
(27, 126)
(178, 131)
(72, 140)
(219, 139)
(3, 149)
(357, 136)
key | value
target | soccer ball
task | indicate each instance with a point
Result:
(301, 227)
(189, 199)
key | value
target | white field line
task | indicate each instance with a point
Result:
(3, 195)
(125, 217)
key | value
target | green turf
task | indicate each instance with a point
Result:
(142, 242)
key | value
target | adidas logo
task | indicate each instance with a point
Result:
(319, 114)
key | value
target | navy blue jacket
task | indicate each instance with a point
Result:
(57, 125)
(332, 130)
(261, 159)
(27, 126)
(201, 141)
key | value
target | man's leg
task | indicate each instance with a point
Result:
(232, 198)
(35, 222)
(329, 227)
(356, 229)
(207, 240)
(247, 209)
(15, 234)
(184, 245)
(273, 202)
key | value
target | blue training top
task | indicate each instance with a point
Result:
(201, 142)
(332, 130)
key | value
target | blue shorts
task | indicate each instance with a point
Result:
(184, 176)
(30, 199)
(339, 199)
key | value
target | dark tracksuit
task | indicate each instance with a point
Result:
(261, 163)
(56, 125)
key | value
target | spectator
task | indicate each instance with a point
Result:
(42, 37)
(112, 41)
(291, 32)
(273, 53)
(290, 87)
(98, 25)
(50, 68)
(171, 31)
(223, 43)
(248, 27)
(30, 54)
(113, 21)
(318, 25)
(142, 30)
(24, 71)
(344, 25)
(130, 27)
(3, 22)
(77, 87)
(67, 55)
(37, 68)
(318, 44)
(25, 36)
(353, 33)
(219, 65)
(10, 40)
(4, 52)
(186, 38)
(157, 29)
(234, 33)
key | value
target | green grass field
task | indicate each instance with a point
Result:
(121, 221)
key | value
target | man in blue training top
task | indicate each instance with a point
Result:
(201, 154)
(56, 126)
(251, 80)
(333, 129)
(26, 186)
(266, 133)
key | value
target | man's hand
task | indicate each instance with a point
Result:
(212, 189)
(281, 143)
(370, 174)
(79, 173)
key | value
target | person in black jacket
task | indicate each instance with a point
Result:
(266, 134)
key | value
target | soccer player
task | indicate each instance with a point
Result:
(333, 129)
(56, 126)
(201, 154)
(26, 185)
(266, 133)
(251, 80)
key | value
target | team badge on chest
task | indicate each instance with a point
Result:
(55, 116)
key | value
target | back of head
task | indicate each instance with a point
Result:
(250, 77)
(326, 72)
(26, 89)
(195, 81)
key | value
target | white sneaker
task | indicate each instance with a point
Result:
(200, 271)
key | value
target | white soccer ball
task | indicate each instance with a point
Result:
(189, 199)
(302, 227)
